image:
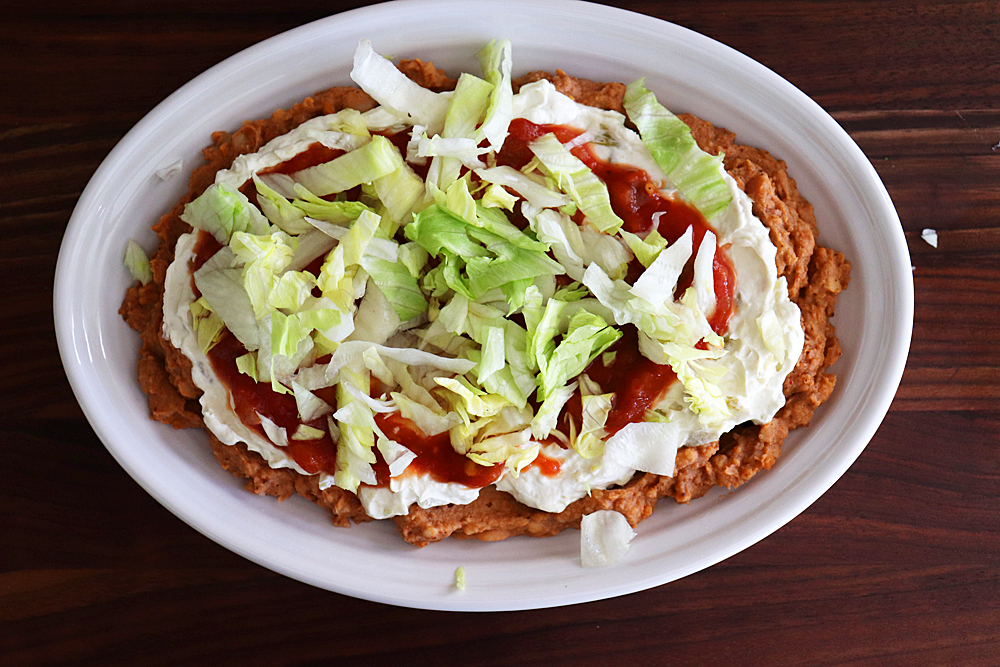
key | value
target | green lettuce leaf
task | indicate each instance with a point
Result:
(698, 175)
(372, 161)
(221, 211)
(137, 262)
(589, 192)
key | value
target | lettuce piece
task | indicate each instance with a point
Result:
(374, 404)
(463, 149)
(206, 323)
(589, 443)
(547, 416)
(436, 229)
(704, 275)
(374, 160)
(512, 383)
(276, 434)
(376, 319)
(468, 104)
(312, 244)
(321, 316)
(355, 448)
(413, 257)
(271, 251)
(514, 292)
(612, 294)
(398, 285)
(430, 422)
(336, 212)
(496, 197)
(542, 327)
(647, 249)
(494, 226)
(221, 211)
(493, 358)
(658, 281)
(247, 364)
(336, 277)
(474, 401)
(577, 247)
(646, 446)
(588, 336)
(604, 538)
(306, 432)
(495, 59)
(492, 254)
(223, 290)
(310, 406)
(698, 175)
(137, 262)
(458, 200)
(396, 456)
(291, 290)
(533, 192)
(350, 354)
(349, 121)
(511, 264)
(401, 192)
(392, 89)
(279, 210)
(577, 180)
(514, 450)
(287, 335)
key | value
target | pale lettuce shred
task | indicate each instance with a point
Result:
(604, 538)
(374, 160)
(577, 180)
(137, 262)
(379, 78)
(466, 109)
(221, 211)
(696, 174)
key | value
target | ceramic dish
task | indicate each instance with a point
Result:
(689, 72)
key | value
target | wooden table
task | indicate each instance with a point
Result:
(898, 564)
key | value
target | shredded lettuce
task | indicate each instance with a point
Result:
(698, 175)
(398, 285)
(379, 78)
(496, 62)
(646, 249)
(247, 364)
(646, 446)
(374, 160)
(207, 324)
(535, 193)
(577, 180)
(137, 262)
(355, 449)
(223, 290)
(587, 336)
(604, 538)
(589, 443)
(279, 211)
(221, 211)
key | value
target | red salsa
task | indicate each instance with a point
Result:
(435, 455)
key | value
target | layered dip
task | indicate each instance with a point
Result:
(487, 306)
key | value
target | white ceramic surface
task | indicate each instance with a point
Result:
(689, 72)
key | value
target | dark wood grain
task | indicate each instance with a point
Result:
(898, 564)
